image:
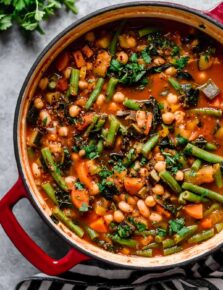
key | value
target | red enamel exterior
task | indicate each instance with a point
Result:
(30, 250)
(25, 244)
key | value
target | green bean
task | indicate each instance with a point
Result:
(196, 165)
(170, 181)
(151, 246)
(150, 144)
(68, 222)
(95, 93)
(124, 242)
(130, 156)
(168, 243)
(92, 125)
(131, 104)
(113, 44)
(191, 197)
(52, 167)
(202, 154)
(91, 233)
(205, 235)
(74, 80)
(48, 188)
(159, 239)
(175, 84)
(112, 131)
(190, 231)
(217, 175)
(144, 253)
(172, 250)
(145, 31)
(219, 227)
(146, 233)
(99, 125)
(100, 146)
(207, 111)
(111, 88)
(210, 146)
(204, 192)
(213, 207)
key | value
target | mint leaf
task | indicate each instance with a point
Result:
(5, 21)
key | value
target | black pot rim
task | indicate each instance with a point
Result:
(16, 123)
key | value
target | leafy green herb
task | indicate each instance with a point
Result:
(104, 172)
(119, 166)
(91, 151)
(107, 189)
(134, 57)
(29, 13)
(141, 227)
(79, 185)
(63, 199)
(177, 226)
(175, 51)
(146, 57)
(181, 62)
(173, 163)
(161, 232)
(84, 207)
(125, 230)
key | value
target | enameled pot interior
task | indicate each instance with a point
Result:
(63, 40)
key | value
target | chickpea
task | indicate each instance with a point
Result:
(90, 36)
(82, 85)
(74, 111)
(150, 201)
(108, 218)
(179, 116)
(81, 152)
(172, 98)
(155, 217)
(158, 189)
(94, 189)
(160, 166)
(70, 180)
(127, 41)
(122, 57)
(158, 60)
(104, 41)
(125, 207)
(118, 216)
(63, 131)
(144, 172)
(179, 175)
(131, 200)
(159, 157)
(45, 117)
(67, 73)
(118, 97)
(170, 71)
(168, 118)
(143, 209)
(100, 100)
(38, 103)
(141, 118)
(43, 83)
(35, 169)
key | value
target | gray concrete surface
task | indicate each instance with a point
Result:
(16, 58)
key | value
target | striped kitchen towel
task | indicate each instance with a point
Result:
(207, 274)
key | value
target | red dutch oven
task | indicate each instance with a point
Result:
(211, 23)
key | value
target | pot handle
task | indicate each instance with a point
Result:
(25, 244)
(217, 12)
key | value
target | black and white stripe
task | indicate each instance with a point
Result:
(95, 275)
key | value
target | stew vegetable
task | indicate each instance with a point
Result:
(125, 137)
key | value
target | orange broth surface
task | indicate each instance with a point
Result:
(117, 169)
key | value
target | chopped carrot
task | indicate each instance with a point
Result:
(62, 61)
(148, 123)
(87, 51)
(79, 59)
(162, 211)
(194, 135)
(85, 121)
(194, 210)
(206, 223)
(99, 226)
(79, 198)
(62, 84)
(133, 184)
(85, 177)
